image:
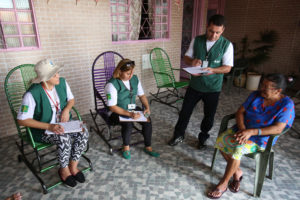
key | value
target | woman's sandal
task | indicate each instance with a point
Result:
(70, 181)
(209, 194)
(234, 186)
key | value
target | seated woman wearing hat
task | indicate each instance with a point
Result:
(121, 91)
(47, 101)
(265, 112)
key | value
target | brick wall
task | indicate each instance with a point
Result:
(73, 35)
(251, 16)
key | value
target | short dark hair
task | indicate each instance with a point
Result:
(218, 20)
(278, 79)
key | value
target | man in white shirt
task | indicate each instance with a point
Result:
(213, 53)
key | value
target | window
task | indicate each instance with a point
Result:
(17, 25)
(140, 19)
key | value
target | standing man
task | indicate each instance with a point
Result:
(215, 54)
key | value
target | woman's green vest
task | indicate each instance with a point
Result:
(43, 111)
(210, 83)
(125, 96)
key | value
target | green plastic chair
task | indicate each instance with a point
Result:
(262, 159)
(33, 153)
(165, 79)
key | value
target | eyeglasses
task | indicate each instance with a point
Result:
(126, 65)
(264, 87)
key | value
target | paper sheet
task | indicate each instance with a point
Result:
(195, 70)
(142, 118)
(69, 127)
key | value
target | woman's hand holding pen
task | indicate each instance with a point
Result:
(56, 128)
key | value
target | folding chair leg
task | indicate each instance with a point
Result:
(260, 173)
(214, 159)
(271, 166)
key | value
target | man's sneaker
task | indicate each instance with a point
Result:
(174, 141)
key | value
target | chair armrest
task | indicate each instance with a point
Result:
(272, 137)
(28, 130)
(225, 121)
(77, 113)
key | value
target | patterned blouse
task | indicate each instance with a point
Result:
(259, 116)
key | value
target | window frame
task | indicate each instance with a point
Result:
(128, 14)
(18, 23)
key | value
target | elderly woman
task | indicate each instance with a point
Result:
(265, 112)
(48, 101)
(121, 92)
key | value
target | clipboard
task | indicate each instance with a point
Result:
(142, 118)
(195, 70)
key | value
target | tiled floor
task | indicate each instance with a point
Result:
(182, 172)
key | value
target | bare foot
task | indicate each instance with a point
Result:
(73, 167)
(16, 196)
(237, 175)
(217, 192)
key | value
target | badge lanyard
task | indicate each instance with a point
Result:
(206, 62)
(56, 104)
(131, 106)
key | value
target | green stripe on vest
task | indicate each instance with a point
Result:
(123, 93)
(43, 111)
(210, 83)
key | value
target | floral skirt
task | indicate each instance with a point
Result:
(227, 143)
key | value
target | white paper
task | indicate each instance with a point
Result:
(142, 118)
(69, 127)
(195, 70)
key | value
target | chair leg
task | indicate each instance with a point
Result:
(214, 158)
(271, 166)
(260, 173)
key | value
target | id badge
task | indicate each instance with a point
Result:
(58, 113)
(205, 64)
(131, 106)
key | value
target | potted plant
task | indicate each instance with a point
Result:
(253, 54)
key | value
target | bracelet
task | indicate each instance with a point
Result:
(259, 131)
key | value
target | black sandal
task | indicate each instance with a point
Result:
(79, 177)
(70, 181)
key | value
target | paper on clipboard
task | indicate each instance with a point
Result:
(195, 70)
(142, 118)
(69, 127)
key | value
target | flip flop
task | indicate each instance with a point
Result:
(234, 186)
(216, 190)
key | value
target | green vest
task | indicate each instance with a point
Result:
(210, 83)
(43, 111)
(125, 96)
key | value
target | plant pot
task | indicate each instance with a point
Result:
(240, 81)
(253, 80)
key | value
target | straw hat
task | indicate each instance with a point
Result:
(45, 69)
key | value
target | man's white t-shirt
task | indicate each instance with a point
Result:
(227, 57)
(27, 108)
(110, 89)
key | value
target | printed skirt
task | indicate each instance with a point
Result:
(227, 143)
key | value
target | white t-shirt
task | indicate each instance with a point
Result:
(227, 57)
(26, 110)
(110, 89)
